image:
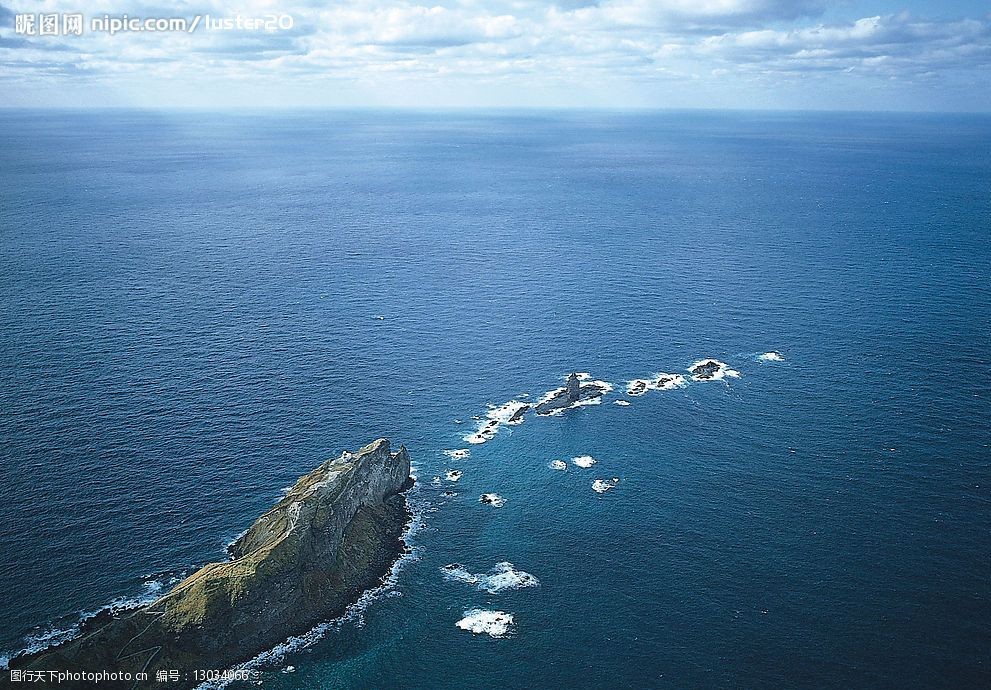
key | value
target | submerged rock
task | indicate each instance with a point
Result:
(600, 486)
(501, 578)
(492, 500)
(335, 534)
(492, 623)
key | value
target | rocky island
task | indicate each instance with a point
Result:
(575, 391)
(335, 534)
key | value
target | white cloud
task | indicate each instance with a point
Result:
(620, 47)
(896, 45)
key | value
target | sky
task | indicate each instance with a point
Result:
(740, 54)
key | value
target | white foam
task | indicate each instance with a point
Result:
(503, 413)
(458, 453)
(550, 394)
(435, 481)
(52, 636)
(667, 382)
(658, 382)
(494, 500)
(558, 465)
(720, 373)
(456, 572)
(481, 621)
(584, 461)
(771, 357)
(601, 486)
(494, 418)
(604, 386)
(501, 578)
(453, 475)
(504, 577)
(48, 637)
(486, 431)
(586, 402)
(623, 403)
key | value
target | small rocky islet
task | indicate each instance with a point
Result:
(574, 392)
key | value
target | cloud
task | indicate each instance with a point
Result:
(893, 45)
(420, 26)
(627, 47)
(690, 15)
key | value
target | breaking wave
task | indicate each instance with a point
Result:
(600, 486)
(501, 578)
(494, 500)
(481, 621)
(508, 413)
(52, 636)
(584, 461)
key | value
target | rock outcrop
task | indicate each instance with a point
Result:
(573, 392)
(517, 416)
(573, 388)
(706, 369)
(334, 535)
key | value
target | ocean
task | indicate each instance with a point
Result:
(197, 308)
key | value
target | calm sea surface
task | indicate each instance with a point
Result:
(189, 320)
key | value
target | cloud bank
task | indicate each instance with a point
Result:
(684, 53)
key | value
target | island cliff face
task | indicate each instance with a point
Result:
(334, 535)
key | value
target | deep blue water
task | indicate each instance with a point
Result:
(188, 310)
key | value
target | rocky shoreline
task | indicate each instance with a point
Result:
(334, 535)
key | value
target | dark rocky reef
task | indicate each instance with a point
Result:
(517, 417)
(334, 535)
(573, 392)
(638, 387)
(706, 369)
